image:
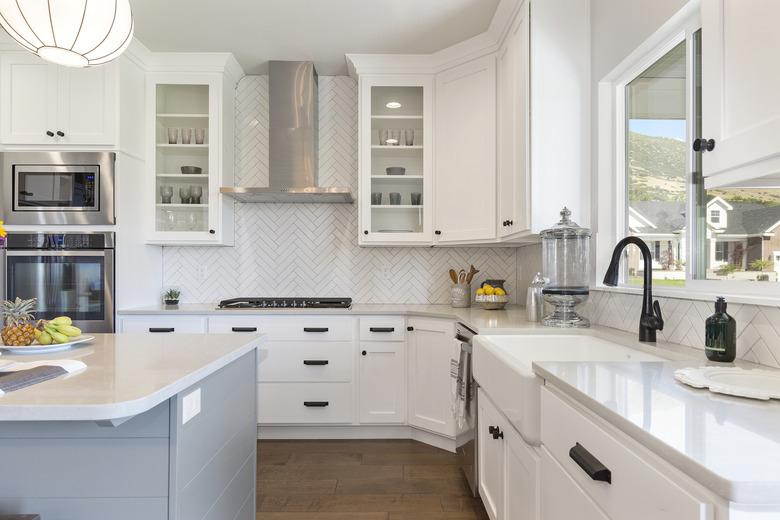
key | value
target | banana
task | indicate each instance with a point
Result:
(69, 330)
(61, 320)
(57, 336)
(44, 338)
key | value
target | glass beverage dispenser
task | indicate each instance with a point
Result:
(565, 261)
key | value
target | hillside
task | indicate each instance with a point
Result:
(658, 173)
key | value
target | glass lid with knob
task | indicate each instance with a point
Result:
(565, 262)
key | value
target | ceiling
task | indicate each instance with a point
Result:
(319, 30)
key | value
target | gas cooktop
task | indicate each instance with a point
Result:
(286, 303)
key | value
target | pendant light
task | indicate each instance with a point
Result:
(74, 33)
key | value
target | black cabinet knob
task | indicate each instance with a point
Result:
(703, 145)
(49, 133)
(365, 232)
(437, 232)
(410, 329)
(364, 352)
(60, 133)
(211, 231)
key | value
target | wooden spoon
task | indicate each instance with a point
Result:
(453, 276)
(472, 273)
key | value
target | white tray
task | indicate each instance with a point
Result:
(37, 348)
(740, 382)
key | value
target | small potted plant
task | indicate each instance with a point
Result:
(171, 297)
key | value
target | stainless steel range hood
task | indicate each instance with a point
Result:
(293, 140)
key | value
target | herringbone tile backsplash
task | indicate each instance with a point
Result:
(311, 249)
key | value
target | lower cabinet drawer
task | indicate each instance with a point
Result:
(382, 328)
(610, 472)
(297, 361)
(561, 498)
(163, 324)
(305, 403)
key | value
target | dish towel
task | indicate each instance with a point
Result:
(14, 376)
(460, 376)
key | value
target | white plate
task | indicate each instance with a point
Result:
(36, 348)
(754, 384)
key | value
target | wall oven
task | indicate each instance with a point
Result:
(70, 274)
(58, 188)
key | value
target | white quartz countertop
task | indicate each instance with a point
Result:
(511, 320)
(728, 444)
(126, 374)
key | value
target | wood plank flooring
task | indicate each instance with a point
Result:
(361, 480)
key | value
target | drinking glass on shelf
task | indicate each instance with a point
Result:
(185, 194)
(395, 138)
(173, 135)
(192, 220)
(395, 199)
(200, 135)
(376, 198)
(409, 136)
(166, 194)
(384, 133)
(416, 198)
(170, 220)
(186, 135)
(197, 193)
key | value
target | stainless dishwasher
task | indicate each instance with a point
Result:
(468, 453)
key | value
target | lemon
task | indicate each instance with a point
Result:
(489, 290)
(499, 292)
(480, 291)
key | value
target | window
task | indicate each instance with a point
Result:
(715, 216)
(700, 239)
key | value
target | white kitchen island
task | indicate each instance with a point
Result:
(156, 427)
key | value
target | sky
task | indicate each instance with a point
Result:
(674, 128)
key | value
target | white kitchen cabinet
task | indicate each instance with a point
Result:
(186, 207)
(508, 467)
(382, 394)
(513, 120)
(45, 104)
(430, 344)
(561, 497)
(741, 108)
(465, 202)
(163, 324)
(395, 158)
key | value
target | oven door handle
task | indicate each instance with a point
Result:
(54, 252)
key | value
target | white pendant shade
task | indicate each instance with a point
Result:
(74, 33)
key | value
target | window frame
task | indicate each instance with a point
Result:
(611, 197)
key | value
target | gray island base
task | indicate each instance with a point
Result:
(152, 465)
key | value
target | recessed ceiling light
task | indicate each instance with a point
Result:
(393, 104)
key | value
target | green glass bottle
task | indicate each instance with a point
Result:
(720, 342)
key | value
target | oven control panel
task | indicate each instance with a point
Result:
(60, 241)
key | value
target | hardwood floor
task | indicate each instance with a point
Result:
(361, 480)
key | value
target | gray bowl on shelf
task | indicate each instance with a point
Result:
(191, 170)
(395, 170)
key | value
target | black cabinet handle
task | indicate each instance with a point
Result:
(703, 145)
(161, 329)
(365, 232)
(315, 329)
(437, 232)
(315, 362)
(244, 329)
(60, 133)
(49, 133)
(316, 404)
(496, 432)
(410, 329)
(381, 329)
(590, 464)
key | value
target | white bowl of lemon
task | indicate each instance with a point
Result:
(491, 298)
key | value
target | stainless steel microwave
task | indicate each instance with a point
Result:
(53, 188)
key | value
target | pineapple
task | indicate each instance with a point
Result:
(19, 329)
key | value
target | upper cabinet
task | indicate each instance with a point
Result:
(465, 204)
(190, 117)
(395, 159)
(45, 104)
(509, 140)
(741, 108)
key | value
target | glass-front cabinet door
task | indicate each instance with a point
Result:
(395, 159)
(186, 159)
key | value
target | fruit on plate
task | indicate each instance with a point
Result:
(58, 330)
(18, 329)
(480, 291)
(488, 290)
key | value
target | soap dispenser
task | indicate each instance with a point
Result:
(720, 335)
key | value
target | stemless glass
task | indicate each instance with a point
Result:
(197, 193)
(173, 135)
(409, 136)
(185, 194)
(166, 194)
(384, 133)
(200, 135)
(186, 135)
(170, 220)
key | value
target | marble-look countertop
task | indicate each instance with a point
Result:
(728, 444)
(511, 320)
(126, 374)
